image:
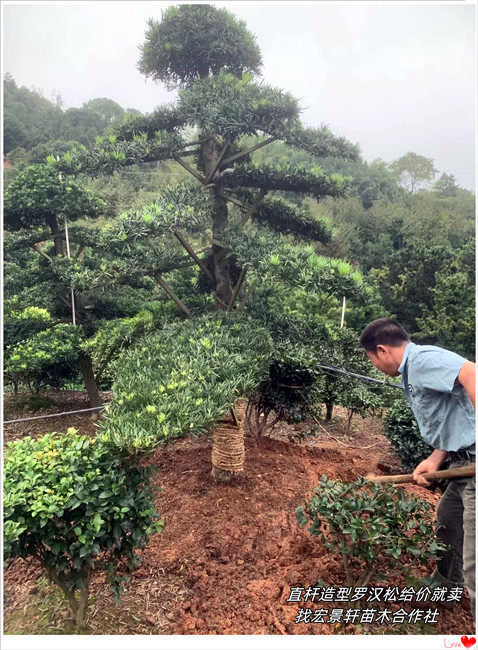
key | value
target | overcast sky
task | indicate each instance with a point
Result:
(392, 77)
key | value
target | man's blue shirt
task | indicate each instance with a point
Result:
(441, 406)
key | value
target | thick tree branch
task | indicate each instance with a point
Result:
(189, 153)
(79, 251)
(301, 188)
(241, 154)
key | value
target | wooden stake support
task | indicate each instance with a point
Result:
(233, 200)
(40, 252)
(172, 295)
(241, 154)
(192, 171)
(237, 288)
(254, 207)
(191, 252)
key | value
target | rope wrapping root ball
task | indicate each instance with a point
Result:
(228, 448)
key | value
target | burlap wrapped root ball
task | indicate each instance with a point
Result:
(228, 449)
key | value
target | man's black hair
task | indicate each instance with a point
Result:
(383, 331)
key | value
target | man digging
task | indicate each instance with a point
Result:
(440, 388)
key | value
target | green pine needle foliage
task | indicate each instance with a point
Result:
(183, 380)
(193, 41)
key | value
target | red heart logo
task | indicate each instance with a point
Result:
(468, 642)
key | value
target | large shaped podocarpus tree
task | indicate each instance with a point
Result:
(212, 59)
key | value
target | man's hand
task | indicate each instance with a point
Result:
(430, 464)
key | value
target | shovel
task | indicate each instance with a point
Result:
(458, 472)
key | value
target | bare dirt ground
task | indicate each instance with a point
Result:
(228, 556)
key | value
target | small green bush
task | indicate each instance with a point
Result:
(370, 522)
(73, 506)
(402, 430)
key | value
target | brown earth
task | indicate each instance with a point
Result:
(228, 555)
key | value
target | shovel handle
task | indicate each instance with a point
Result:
(458, 472)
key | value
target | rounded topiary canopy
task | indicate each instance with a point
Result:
(194, 41)
(40, 192)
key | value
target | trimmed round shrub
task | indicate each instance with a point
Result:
(48, 358)
(19, 325)
(74, 507)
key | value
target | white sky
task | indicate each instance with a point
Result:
(393, 77)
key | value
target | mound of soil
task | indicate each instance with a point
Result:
(229, 555)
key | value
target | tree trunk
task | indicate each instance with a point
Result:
(350, 414)
(329, 398)
(222, 274)
(80, 617)
(330, 410)
(221, 262)
(89, 379)
(58, 239)
(223, 476)
(69, 593)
